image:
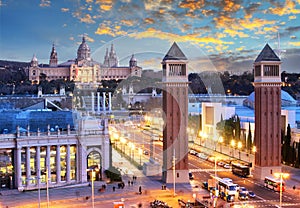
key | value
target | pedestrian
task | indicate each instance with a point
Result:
(114, 188)
(128, 183)
(132, 183)
(140, 190)
(294, 187)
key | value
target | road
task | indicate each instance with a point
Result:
(204, 169)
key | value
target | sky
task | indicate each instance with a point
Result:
(223, 35)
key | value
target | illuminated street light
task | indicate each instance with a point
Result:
(239, 146)
(281, 176)
(92, 179)
(140, 153)
(232, 143)
(132, 147)
(221, 140)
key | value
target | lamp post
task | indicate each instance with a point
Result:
(132, 147)
(39, 191)
(239, 146)
(92, 179)
(281, 176)
(140, 153)
(232, 143)
(221, 140)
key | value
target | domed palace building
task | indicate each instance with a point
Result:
(83, 69)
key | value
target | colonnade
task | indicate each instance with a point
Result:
(104, 108)
(36, 164)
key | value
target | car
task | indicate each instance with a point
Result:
(221, 164)
(227, 166)
(243, 190)
(251, 194)
(191, 176)
(146, 152)
(243, 196)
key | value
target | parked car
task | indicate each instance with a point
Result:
(146, 152)
(243, 196)
(191, 176)
(227, 166)
(243, 190)
(251, 194)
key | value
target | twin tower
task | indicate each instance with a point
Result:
(267, 85)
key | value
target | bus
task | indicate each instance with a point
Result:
(240, 169)
(273, 183)
(227, 188)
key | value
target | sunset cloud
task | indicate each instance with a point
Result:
(87, 19)
(287, 8)
(192, 38)
(104, 29)
(127, 22)
(294, 44)
(234, 33)
(64, 9)
(149, 21)
(105, 5)
(191, 5)
(45, 3)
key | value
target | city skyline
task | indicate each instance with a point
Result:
(220, 36)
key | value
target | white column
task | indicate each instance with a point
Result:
(58, 175)
(18, 168)
(109, 101)
(28, 172)
(93, 102)
(98, 101)
(38, 163)
(48, 161)
(68, 161)
(103, 102)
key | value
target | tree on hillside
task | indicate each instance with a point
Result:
(249, 139)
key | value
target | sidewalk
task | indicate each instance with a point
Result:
(151, 186)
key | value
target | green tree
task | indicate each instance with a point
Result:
(249, 139)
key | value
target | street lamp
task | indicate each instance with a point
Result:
(92, 179)
(232, 143)
(39, 191)
(239, 146)
(221, 140)
(281, 176)
(140, 153)
(132, 147)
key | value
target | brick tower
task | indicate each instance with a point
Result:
(267, 85)
(175, 106)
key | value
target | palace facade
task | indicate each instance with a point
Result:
(83, 69)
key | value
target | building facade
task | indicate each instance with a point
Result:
(83, 69)
(61, 156)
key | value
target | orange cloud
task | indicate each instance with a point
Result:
(149, 21)
(103, 29)
(294, 43)
(234, 33)
(87, 19)
(255, 23)
(231, 6)
(89, 39)
(292, 17)
(152, 32)
(127, 22)
(288, 8)
(271, 29)
(105, 5)
(191, 5)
